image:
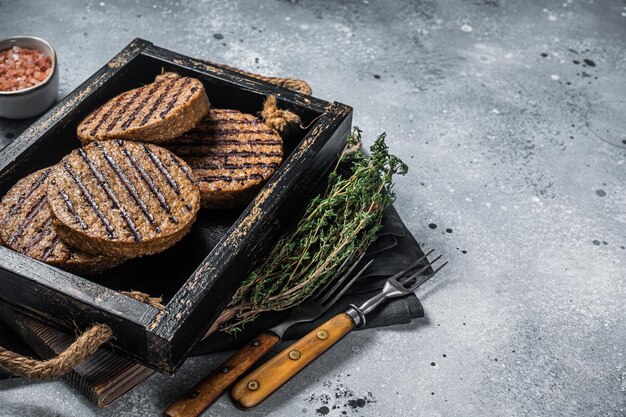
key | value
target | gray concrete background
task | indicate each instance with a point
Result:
(510, 115)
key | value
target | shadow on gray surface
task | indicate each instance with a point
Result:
(29, 410)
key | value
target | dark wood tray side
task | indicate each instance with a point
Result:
(162, 339)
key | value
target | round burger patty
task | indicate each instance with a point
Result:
(122, 198)
(157, 112)
(27, 228)
(232, 154)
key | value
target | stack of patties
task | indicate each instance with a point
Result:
(121, 196)
(232, 154)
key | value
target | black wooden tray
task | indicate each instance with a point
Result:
(198, 276)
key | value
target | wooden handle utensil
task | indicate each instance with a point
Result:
(205, 393)
(200, 397)
(262, 382)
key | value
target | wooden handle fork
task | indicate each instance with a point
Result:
(200, 397)
(262, 382)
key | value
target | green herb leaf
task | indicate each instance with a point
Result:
(344, 220)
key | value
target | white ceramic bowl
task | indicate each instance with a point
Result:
(32, 101)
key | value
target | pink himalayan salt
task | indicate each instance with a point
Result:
(22, 68)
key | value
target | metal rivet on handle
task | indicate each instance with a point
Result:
(322, 334)
(253, 385)
(255, 343)
(225, 370)
(294, 354)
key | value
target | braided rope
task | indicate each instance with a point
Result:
(145, 298)
(295, 84)
(83, 347)
(275, 118)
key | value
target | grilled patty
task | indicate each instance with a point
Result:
(27, 228)
(156, 113)
(232, 155)
(122, 198)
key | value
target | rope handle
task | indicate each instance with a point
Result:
(84, 346)
(295, 84)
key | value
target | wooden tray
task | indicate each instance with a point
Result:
(197, 276)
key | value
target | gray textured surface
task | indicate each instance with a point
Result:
(520, 155)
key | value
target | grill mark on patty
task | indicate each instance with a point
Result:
(48, 251)
(160, 99)
(123, 110)
(70, 208)
(91, 201)
(106, 115)
(175, 96)
(209, 142)
(129, 186)
(44, 230)
(200, 134)
(192, 91)
(171, 104)
(242, 118)
(146, 177)
(189, 177)
(159, 164)
(227, 178)
(91, 118)
(34, 210)
(230, 132)
(182, 168)
(207, 122)
(232, 153)
(215, 165)
(133, 115)
(30, 192)
(104, 184)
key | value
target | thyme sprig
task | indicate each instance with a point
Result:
(345, 219)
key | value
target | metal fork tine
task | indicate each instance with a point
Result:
(427, 277)
(345, 287)
(324, 288)
(337, 284)
(420, 271)
(410, 267)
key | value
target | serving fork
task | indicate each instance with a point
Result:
(262, 382)
(200, 397)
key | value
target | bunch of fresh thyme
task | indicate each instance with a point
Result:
(344, 220)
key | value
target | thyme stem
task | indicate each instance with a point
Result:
(344, 220)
